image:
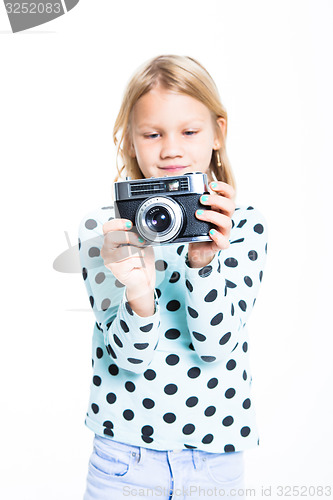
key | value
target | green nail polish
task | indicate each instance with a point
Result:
(212, 232)
(204, 198)
(141, 240)
(128, 225)
(200, 212)
(213, 185)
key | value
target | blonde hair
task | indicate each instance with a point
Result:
(180, 74)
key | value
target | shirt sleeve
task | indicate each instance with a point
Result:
(130, 339)
(220, 296)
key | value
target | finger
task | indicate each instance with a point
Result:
(113, 239)
(121, 254)
(223, 188)
(223, 222)
(217, 202)
(117, 225)
(220, 240)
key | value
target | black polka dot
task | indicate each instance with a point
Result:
(84, 273)
(129, 309)
(246, 404)
(170, 389)
(260, 276)
(229, 448)
(172, 359)
(149, 374)
(253, 255)
(128, 415)
(147, 439)
(230, 284)
(141, 346)
(79, 243)
(134, 361)
(190, 346)
(207, 439)
(245, 431)
(244, 375)
(188, 429)
(194, 372)
(248, 281)
(189, 285)
(245, 346)
(199, 336)
(117, 340)
(108, 424)
(95, 408)
(105, 304)
(111, 351)
(97, 380)
(205, 271)
(90, 224)
(258, 228)
(175, 277)
(231, 262)
(172, 334)
(223, 340)
(108, 432)
(227, 421)
(99, 278)
(229, 393)
(192, 312)
(190, 447)
(124, 326)
(217, 319)
(161, 265)
(180, 249)
(118, 284)
(232, 310)
(211, 296)
(212, 383)
(148, 403)
(147, 430)
(173, 305)
(158, 292)
(130, 387)
(111, 398)
(169, 418)
(192, 401)
(146, 328)
(99, 353)
(241, 223)
(231, 365)
(113, 370)
(208, 359)
(242, 305)
(209, 411)
(94, 252)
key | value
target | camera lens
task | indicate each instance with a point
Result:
(158, 219)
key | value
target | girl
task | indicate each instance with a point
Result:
(170, 401)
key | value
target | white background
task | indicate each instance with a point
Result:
(60, 90)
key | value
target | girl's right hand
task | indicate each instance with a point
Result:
(124, 253)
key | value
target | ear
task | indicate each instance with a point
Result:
(220, 133)
(128, 144)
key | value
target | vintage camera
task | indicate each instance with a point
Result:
(162, 209)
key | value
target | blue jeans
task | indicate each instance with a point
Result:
(118, 470)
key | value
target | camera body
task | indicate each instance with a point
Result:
(162, 209)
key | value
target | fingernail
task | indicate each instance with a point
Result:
(141, 240)
(204, 198)
(128, 225)
(212, 232)
(200, 212)
(213, 185)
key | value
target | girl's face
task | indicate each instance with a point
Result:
(173, 134)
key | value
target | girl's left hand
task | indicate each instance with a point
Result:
(222, 208)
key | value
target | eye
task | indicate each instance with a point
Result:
(151, 136)
(190, 132)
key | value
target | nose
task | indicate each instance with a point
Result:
(171, 147)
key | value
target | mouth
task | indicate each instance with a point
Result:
(173, 168)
